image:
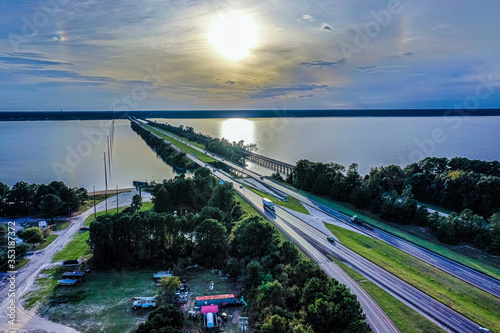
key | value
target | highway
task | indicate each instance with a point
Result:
(474, 277)
(375, 317)
(315, 245)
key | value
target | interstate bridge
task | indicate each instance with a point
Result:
(268, 162)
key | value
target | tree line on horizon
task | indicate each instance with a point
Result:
(48, 200)
(471, 187)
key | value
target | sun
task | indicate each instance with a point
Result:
(233, 35)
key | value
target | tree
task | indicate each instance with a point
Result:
(136, 202)
(253, 238)
(31, 235)
(161, 200)
(222, 197)
(165, 319)
(210, 245)
(51, 206)
(169, 286)
(274, 324)
(4, 194)
(22, 195)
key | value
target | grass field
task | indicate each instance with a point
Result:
(398, 231)
(189, 150)
(76, 248)
(50, 238)
(404, 317)
(291, 203)
(100, 304)
(458, 295)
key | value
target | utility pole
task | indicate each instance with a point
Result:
(109, 156)
(117, 199)
(106, 183)
(95, 209)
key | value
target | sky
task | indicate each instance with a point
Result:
(242, 54)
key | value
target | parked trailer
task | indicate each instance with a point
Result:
(268, 204)
(222, 300)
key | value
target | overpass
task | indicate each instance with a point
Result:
(268, 162)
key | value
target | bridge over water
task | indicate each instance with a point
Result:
(268, 162)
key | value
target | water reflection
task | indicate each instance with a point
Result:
(238, 129)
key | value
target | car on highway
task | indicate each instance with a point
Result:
(331, 239)
(241, 186)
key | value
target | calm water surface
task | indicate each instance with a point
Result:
(72, 151)
(366, 141)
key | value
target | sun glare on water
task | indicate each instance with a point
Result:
(233, 35)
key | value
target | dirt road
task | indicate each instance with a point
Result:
(10, 293)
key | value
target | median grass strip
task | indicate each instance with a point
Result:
(189, 150)
(291, 203)
(472, 302)
(396, 230)
(404, 317)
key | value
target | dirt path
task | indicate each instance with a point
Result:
(28, 321)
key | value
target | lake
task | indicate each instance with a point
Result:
(366, 141)
(72, 151)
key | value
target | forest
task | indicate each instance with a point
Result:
(232, 151)
(163, 149)
(469, 187)
(197, 221)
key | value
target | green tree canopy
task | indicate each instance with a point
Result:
(31, 235)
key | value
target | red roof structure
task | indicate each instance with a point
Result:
(208, 298)
(209, 309)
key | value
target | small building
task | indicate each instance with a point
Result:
(209, 309)
(78, 276)
(222, 300)
(42, 225)
(210, 320)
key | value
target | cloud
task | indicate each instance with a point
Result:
(408, 54)
(27, 61)
(230, 82)
(380, 69)
(442, 26)
(278, 29)
(324, 27)
(290, 91)
(307, 17)
(321, 63)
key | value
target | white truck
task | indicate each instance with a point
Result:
(268, 204)
(144, 302)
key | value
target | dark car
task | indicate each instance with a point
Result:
(331, 239)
